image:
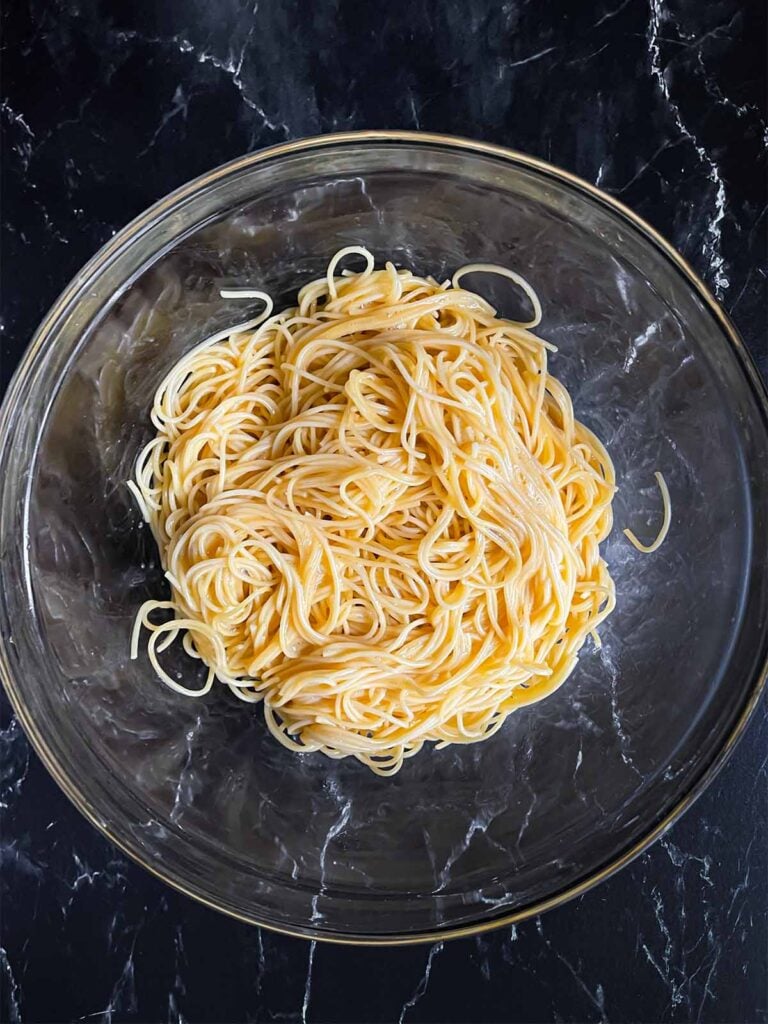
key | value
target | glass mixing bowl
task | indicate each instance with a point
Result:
(463, 838)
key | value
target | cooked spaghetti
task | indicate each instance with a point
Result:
(666, 521)
(377, 515)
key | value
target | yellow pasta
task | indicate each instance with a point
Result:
(377, 515)
(666, 521)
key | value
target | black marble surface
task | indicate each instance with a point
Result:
(105, 107)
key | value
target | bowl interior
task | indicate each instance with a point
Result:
(198, 789)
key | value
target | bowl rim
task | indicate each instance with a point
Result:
(125, 236)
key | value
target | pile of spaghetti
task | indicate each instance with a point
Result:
(377, 515)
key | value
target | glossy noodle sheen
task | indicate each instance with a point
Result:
(377, 515)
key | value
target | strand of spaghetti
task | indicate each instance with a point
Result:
(665, 524)
(492, 268)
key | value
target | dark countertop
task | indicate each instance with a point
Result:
(105, 107)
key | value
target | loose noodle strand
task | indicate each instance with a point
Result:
(648, 549)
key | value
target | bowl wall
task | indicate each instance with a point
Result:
(198, 790)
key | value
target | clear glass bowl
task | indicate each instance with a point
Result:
(465, 837)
